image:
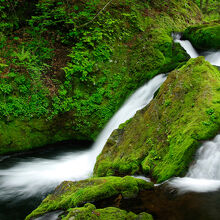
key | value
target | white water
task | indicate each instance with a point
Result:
(186, 45)
(204, 175)
(212, 56)
(38, 175)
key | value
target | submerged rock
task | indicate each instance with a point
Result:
(73, 194)
(161, 139)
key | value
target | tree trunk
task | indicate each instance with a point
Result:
(206, 6)
(201, 3)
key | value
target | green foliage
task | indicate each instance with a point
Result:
(62, 61)
(24, 95)
(210, 10)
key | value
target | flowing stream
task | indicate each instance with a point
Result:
(204, 174)
(212, 56)
(24, 179)
(35, 176)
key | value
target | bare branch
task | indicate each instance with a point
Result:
(95, 15)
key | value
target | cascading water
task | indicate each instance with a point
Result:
(212, 56)
(186, 45)
(38, 176)
(35, 176)
(207, 165)
(204, 175)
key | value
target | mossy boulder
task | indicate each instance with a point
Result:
(20, 135)
(73, 194)
(57, 68)
(161, 139)
(204, 37)
(89, 211)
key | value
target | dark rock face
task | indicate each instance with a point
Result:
(165, 203)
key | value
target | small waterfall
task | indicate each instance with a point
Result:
(186, 45)
(36, 176)
(136, 102)
(212, 56)
(207, 165)
(204, 174)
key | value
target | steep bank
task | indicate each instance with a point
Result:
(63, 78)
(162, 138)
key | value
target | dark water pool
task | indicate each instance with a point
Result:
(26, 179)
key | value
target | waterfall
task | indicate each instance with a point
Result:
(186, 45)
(204, 174)
(212, 56)
(136, 102)
(35, 176)
(207, 165)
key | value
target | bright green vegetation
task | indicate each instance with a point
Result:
(210, 9)
(204, 37)
(161, 139)
(72, 194)
(89, 211)
(69, 76)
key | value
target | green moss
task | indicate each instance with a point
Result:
(19, 135)
(204, 37)
(162, 138)
(72, 194)
(58, 69)
(89, 211)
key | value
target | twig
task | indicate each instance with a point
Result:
(95, 15)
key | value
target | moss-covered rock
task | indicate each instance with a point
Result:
(20, 135)
(89, 211)
(162, 138)
(204, 37)
(72, 194)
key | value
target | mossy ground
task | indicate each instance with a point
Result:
(72, 194)
(162, 138)
(205, 36)
(89, 211)
(53, 67)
